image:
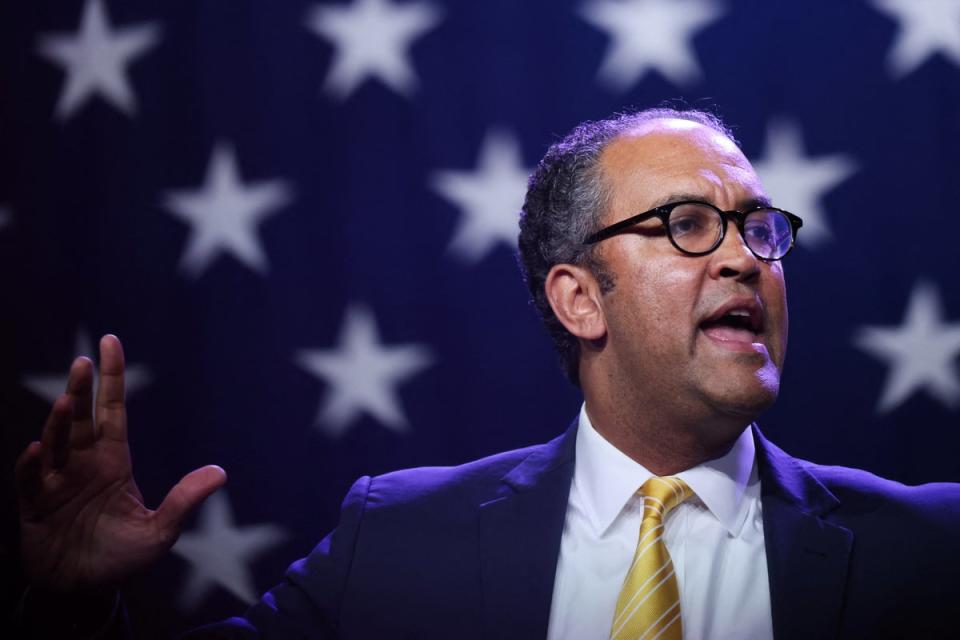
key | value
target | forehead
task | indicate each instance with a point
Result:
(648, 165)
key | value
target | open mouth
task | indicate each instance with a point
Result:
(737, 323)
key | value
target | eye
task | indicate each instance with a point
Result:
(685, 225)
(692, 220)
(767, 232)
(758, 231)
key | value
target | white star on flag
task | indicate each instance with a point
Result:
(926, 27)
(372, 39)
(224, 214)
(797, 182)
(95, 59)
(51, 386)
(648, 35)
(921, 353)
(220, 552)
(489, 197)
(363, 374)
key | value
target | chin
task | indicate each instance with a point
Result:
(746, 399)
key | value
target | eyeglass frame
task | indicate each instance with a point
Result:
(663, 213)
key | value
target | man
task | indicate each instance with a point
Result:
(654, 257)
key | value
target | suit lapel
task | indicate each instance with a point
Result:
(807, 556)
(520, 532)
(521, 529)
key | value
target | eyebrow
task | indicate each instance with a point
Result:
(750, 203)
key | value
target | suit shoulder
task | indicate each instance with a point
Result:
(473, 479)
(936, 501)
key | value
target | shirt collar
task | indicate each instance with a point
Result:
(607, 478)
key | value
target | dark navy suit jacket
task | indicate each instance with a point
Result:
(471, 552)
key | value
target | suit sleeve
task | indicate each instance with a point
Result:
(307, 603)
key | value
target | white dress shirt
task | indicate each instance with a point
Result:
(715, 540)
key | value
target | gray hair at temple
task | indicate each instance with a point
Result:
(565, 202)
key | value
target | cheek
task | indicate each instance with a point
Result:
(654, 298)
(775, 297)
(664, 298)
(675, 287)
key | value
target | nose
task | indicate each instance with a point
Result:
(733, 258)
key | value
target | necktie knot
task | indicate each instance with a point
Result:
(661, 495)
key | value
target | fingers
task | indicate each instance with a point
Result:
(80, 387)
(111, 410)
(55, 439)
(69, 423)
(187, 495)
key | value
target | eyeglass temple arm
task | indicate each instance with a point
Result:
(617, 227)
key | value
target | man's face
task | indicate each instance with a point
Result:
(671, 319)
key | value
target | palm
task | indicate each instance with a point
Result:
(83, 521)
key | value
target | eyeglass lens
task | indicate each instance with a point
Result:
(697, 228)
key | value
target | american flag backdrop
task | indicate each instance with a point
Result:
(300, 218)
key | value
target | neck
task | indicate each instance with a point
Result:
(664, 442)
(664, 429)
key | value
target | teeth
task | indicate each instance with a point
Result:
(739, 312)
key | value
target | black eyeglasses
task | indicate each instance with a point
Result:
(697, 228)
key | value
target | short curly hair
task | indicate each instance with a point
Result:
(566, 199)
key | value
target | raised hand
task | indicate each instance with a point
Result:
(83, 521)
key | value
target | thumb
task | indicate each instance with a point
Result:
(186, 495)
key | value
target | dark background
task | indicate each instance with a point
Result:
(88, 243)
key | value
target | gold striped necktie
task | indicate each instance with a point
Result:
(649, 604)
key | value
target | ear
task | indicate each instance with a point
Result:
(574, 296)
